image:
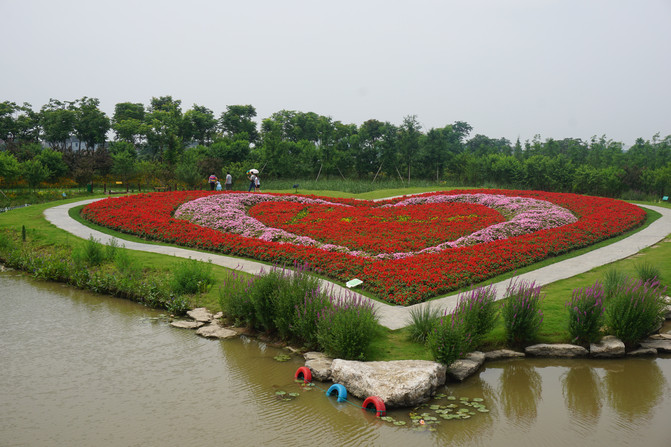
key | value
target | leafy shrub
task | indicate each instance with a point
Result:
(448, 341)
(478, 311)
(263, 295)
(521, 311)
(636, 310)
(423, 320)
(191, 277)
(347, 328)
(586, 314)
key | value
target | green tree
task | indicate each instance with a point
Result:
(91, 124)
(164, 136)
(199, 124)
(54, 163)
(237, 122)
(123, 165)
(10, 169)
(58, 123)
(34, 172)
(409, 134)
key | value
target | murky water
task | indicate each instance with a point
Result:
(79, 369)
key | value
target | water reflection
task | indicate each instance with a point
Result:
(583, 395)
(635, 387)
(520, 388)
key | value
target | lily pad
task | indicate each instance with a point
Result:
(282, 358)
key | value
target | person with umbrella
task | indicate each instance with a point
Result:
(252, 179)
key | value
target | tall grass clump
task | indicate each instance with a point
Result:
(423, 320)
(191, 276)
(448, 341)
(522, 315)
(478, 311)
(635, 310)
(306, 321)
(292, 290)
(92, 253)
(235, 298)
(586, 314)
(347, 328)
(647, 272)
(613, 279)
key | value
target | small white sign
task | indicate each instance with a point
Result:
(353, 283)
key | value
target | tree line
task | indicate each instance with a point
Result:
(161, 144)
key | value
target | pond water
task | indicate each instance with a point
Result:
(79, 369)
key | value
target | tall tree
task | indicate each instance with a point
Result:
(91, 124)
(164, 137)
(409, 134)
(128, 122)
(238, 121)
(58, 122)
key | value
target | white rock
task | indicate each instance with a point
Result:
(216, 331)
(187, 324)
(556, 350)
(467, 366)
(200, 314)
(609, 346)
(502, 354)
(402, 383)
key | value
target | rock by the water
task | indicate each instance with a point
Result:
(401, 383)
(218, 315)
(200, 314)
(642, 352)
(216, 331)
(319, 364)
(659, 345)
(609, 346)
(187, 324)
(466, 367)
(556, 350)
(502, 354)
(660, 337)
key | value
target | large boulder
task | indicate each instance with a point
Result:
(660, 345)
(609, 346)
(200, 314)
(556, 350)
(215, 331)
(463, 368)
(503, 354)
(401, 383)
(187, 324)
(319, 364)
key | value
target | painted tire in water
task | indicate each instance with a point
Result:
(339, 390)
(304, 373)
(374, 402)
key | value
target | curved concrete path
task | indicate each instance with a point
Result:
(396, 317)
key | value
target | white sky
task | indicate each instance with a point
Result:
(510, 68)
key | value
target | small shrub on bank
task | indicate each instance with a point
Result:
(235, 300)
(306, 322)
(647, 272)
(191, 277)
(92, 253)
(292, 290)
(478, 311)
(521, 311)
(347, 328)
(586, 314)
(423, 320)
(448, 341)
(635, 310)
(613, 279)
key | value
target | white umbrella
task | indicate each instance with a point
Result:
(253, 171)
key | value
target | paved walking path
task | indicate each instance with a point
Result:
(396, 317)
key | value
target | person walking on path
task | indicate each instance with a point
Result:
(257, 183)
(229, 182)
(213, 182)
(252, 182)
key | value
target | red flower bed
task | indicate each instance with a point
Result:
(402, 281)
(378, 230)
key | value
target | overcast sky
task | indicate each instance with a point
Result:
(509, 68)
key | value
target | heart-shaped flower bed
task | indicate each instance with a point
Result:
(405, 250)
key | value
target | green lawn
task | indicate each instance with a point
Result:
(391, 345)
